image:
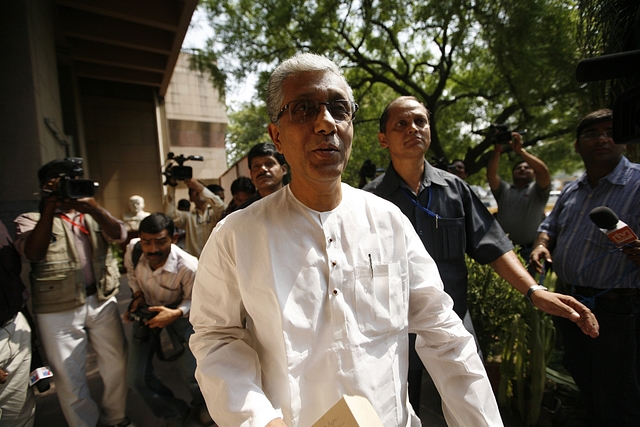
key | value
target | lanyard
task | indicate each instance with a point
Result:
(75, 224)
(424, 209)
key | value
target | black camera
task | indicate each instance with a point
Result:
(142, 314)
(176, 169)
(440, 163)
(70, 188)
(500, 133)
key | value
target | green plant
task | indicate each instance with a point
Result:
(118, 254)
(526, 353)
(493, 305)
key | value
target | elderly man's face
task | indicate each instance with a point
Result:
(319, 149)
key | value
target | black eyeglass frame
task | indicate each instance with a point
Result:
(354, 107)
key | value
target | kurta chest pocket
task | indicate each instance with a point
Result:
(380, 299)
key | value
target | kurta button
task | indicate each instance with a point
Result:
(420, 232)
(333, 263)
(335, 292)
(330, 240)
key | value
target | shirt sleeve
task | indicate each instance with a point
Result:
(179, 218)
(501, 188)
(123, 231)
(128, 264)
(24, 225)
(486, 241)
(445, 347)
(228, 369)
(186, 284)
(216, 202)
(542, 193)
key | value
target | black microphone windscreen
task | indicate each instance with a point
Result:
(604, 217)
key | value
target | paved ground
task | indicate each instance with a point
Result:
(49, 414)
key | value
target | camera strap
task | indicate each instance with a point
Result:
(75, 224)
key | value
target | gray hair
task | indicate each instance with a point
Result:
(299, 63)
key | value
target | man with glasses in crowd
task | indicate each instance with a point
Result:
(328, 280)
(607, 278)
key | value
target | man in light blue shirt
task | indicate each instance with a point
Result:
(590, 267)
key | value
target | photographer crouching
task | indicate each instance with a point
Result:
(161, 277)
(74, 280)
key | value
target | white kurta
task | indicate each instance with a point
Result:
(329, 299)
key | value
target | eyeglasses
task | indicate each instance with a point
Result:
(595, 135)
(306, 110)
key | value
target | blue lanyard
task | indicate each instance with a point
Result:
(425, 210)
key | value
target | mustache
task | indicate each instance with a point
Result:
(154, 254)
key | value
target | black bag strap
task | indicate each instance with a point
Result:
(136, 254)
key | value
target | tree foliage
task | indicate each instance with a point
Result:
(471, 63)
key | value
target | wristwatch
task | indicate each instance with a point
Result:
(532, 290)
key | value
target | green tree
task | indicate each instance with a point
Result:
(247, 127)
(471, 63)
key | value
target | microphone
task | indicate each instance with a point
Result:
(609, 223)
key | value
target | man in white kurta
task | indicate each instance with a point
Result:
(309, 293)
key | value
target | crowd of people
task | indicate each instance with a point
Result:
(297, 293)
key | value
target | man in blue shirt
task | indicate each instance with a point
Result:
(592, 269)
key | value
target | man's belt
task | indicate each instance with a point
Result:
(611, 294)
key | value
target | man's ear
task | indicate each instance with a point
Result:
(174, 238)
(575, 146)
(285, 168)
(274, 133)
(382, 138)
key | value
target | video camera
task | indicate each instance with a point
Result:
(70, 186)
(626, 109)
(176, 169)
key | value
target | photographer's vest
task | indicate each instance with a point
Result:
(57, 282)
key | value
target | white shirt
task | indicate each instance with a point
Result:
(169, 284)
(318, 325)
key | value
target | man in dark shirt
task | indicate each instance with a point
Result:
(452, 221)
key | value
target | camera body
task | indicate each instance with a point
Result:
(70, 185)
(176, 169)
(142, 314)
(501, 133)
(70, 188)
(140, 330)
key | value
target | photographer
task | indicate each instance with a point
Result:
(74, 280)
(521, 204)
(161, 276)
(199, 222)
